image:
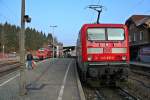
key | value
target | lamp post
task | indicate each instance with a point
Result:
(53, 26)
(24, 18)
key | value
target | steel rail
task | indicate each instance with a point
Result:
(127, 95)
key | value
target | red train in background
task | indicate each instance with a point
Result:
(43, 53)
(103, 52)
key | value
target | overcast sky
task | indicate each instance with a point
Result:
(70, 15)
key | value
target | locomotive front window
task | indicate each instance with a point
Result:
(115, 33)
(96, 34)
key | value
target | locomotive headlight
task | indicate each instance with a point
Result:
(89, 58)
(123, 57)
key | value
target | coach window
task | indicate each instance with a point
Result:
(96, 34)
(115, 34)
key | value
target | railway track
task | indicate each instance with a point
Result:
(143, 73)
(126, 95)
(141, 76)
(139, 84)
(7, 67)
(3, 64)
(141, 70)
(109, 93)
(137, 88)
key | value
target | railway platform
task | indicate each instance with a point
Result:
(55, 79)
(136, 63)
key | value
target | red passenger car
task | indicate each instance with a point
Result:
(103, 52)
(43, 53)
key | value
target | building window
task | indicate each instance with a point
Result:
(141, 35)
(134, 36)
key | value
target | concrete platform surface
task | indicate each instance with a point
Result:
(50, 80)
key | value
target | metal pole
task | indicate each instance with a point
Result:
(53, 38)
(22, 88)
(3, 51)
(53, 41)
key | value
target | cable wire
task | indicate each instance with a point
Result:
(9, 17)
(9, 9)
(5, 5)
(98, 2)
(136, 5)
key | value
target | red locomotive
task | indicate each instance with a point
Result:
(103, 52)
(43, 53)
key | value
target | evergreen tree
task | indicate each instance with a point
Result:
(33, 38)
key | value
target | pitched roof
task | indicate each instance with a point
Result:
(139, 19)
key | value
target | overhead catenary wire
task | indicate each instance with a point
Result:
(95, 2)
(134, 7)
(148, 11)
(3, 16)
(6, 6)
(4, 19)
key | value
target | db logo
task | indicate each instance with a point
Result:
(107, 50)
